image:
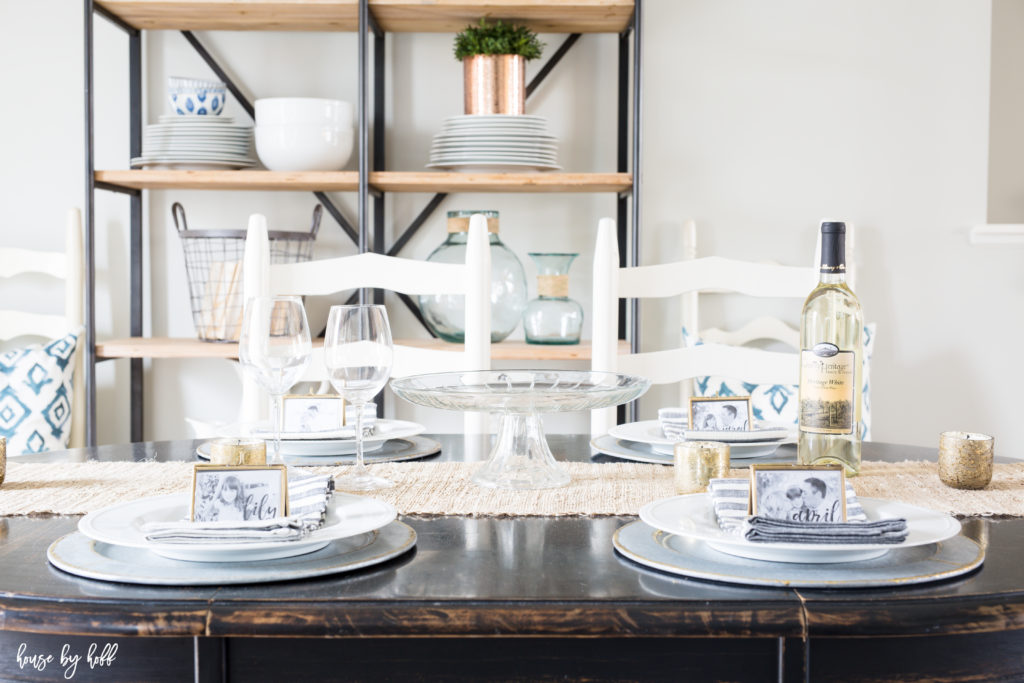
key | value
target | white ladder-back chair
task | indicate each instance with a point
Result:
(408, 276)
(685, 278)
(765, 327)
(66, 266)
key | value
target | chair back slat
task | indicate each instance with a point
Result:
(412, 277)
(329, 276)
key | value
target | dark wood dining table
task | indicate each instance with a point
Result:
(516, 598)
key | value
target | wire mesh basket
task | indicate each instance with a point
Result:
(213, 262)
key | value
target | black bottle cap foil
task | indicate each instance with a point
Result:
(833, 247)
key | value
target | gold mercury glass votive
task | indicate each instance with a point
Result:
(238, 452)
(965, 459)
(696, 462)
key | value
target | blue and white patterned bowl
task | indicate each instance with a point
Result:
(195, 97)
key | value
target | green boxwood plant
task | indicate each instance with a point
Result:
(497, 39)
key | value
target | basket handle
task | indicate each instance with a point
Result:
(178, 214)
(318, 211)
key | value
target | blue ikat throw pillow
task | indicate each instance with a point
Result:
(35, 395)
(778, 402)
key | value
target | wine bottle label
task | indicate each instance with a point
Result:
(827, 390)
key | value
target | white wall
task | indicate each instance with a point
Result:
(759, 119)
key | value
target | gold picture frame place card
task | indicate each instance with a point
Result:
(720, 414)
(798, 493)
(238, 493)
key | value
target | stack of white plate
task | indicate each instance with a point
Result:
(195, 142)
(495, 142)
(645, 441)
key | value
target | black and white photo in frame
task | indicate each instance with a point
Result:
(312, 413)
(798, 493)
(239, 493)
(720, 414)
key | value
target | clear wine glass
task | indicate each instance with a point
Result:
(358, 354)
(275, 349)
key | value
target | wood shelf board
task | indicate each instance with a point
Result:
(547, 16)
(165, 347)
(328, 181)
(543, 16)
(391, 181)
(232, 15)
(348, 181)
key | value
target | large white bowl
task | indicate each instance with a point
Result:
(277, 111)
(303, 148)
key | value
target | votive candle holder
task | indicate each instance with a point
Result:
(697, 462)
(232, 451)
(965, 459)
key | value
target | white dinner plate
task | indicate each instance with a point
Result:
(187, 119)
(692, 516)
(77, 554)
(392, 450)
(188, 159)
(209, 133)
(474, 166)
(642, 452)
(649, 432)
(328, 443)
(497, 137)
(190, 165)
(121, 524)
(154, 151)
(511, 154)
(200, 155)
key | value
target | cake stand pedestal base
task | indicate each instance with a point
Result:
(521, 459)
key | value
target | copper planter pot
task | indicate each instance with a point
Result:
(495, 84)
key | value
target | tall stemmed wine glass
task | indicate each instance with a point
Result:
(275, 349)
(358, 355)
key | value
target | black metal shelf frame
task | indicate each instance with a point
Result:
(628, 155)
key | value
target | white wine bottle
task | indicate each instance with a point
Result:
(831, 358)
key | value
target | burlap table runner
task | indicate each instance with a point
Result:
(444, 488)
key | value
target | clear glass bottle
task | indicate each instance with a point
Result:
(553, 318)
(831, 359)
(445, 314)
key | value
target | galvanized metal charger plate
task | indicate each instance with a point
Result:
(899, 567)
(393, 450)
(77, 554)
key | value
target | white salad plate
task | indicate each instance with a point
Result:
(497, 136)
(336, 442)
(121, 525)
(493, 165)
(392, 450)
(642, 452)
(693, 516)
(650, 432)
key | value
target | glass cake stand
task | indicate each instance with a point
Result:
(520, 458)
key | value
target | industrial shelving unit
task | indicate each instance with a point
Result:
(372, 19)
